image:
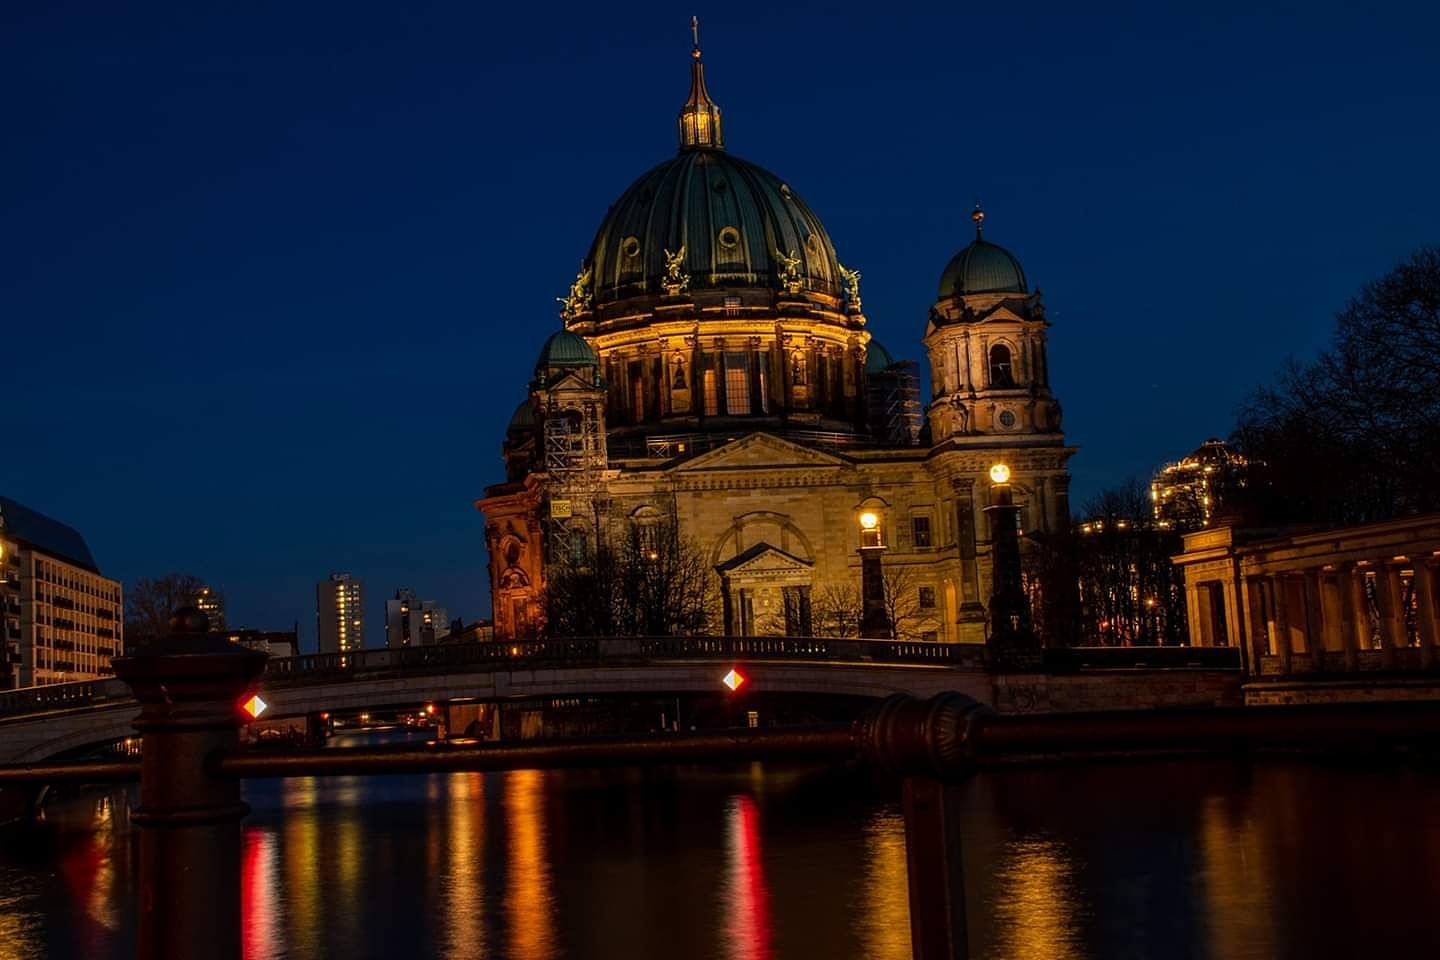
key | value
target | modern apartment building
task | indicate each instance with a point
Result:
(411, 623)
(62, 620)
(340, 613)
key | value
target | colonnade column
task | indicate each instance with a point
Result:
(1258, 624)
(1315, 625)
(1425, 611)
(1350, 586)
(1390, 594)
(1280, 620)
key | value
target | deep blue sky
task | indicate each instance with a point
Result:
(273, 275)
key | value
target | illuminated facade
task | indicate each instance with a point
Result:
(212, 604)
(1186, 494)
(410, 622)
(62, 619)
(340, 613)
(714, 369)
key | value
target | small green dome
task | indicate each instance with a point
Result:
(566, 349)
(877, 358)
(983, 267)
(522, 419)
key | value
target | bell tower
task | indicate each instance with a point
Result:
(989, 371)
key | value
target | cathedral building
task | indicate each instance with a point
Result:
(713, 370)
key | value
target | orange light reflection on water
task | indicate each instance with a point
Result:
(463, 886)
(1035, 897)
(884, 917)
(529, 907)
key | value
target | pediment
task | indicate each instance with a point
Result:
(1001, 313)
(760, 450)
(763, 558)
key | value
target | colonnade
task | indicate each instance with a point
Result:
(1344, 616)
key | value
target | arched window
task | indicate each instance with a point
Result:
(1000, 373)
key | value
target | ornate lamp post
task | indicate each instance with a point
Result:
(1011, 642)
(874, 620)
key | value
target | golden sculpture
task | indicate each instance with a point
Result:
(851, 280)
(677, 281)
(789, 271)
(579, 299)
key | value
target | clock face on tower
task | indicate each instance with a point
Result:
(1007, 419)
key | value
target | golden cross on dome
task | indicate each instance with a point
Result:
(978, 215)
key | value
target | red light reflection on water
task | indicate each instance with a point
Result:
(747, 926)
(258, 904)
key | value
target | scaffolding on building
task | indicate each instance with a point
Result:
(894, 398)
(575, 459)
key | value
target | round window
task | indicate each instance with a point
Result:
(1007, 419)
(729, 238)
(630, 246)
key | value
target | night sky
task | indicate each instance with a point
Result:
(274, 276)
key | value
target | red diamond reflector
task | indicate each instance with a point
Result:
(255, 706)
(733, 679)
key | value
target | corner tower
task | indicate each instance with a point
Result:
(985, 340)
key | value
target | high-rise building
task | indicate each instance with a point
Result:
(411, 623)
(212, 603)
(340, 613)
(62, 620)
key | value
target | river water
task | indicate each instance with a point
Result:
(1219, 859)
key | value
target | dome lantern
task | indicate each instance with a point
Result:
(700, 116)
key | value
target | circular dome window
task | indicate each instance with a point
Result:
(630, 246)
(729, 238)
(719, 187)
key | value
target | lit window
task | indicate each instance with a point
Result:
(737, 383)
(712, 394)
(920, 527)
(1000, 372)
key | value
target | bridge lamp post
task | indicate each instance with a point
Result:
(1010, 633)
(874, 620)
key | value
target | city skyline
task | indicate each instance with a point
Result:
(356, 251)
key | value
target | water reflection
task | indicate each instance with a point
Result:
(1035, 897)
(301, 834)
(529, 907)
(463, 884)
(747, 932)
(260, 908)
(884, 916)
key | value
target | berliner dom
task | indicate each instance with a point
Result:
(712, 370)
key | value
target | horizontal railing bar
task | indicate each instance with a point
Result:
(828, 742)
(86, 771)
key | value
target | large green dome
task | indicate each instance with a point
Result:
(982, 267)
(734, 220)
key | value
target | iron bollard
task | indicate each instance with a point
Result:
(931, 744)
(189, 685)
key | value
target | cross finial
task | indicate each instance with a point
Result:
(978, 215)
(695, 36)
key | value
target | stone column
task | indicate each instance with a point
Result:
(1347, 580)
(1425, 611)
(1280, 619)
(1314, 618)
(1390, 597)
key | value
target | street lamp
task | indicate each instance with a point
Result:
(1011, 638)
(874, 620)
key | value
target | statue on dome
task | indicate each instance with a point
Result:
(579, 299)
(789, 271)
(677, 281)
(851, 279)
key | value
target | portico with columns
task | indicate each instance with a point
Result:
(1351, 600)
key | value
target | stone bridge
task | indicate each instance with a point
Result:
(43, 722)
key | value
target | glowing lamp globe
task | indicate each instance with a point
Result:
(999, 473)
(869, 520)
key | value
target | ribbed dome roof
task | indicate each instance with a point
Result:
(877, 358)
(734, 220)
(983, 267)
(567, 349)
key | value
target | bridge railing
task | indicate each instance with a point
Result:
(61, 696)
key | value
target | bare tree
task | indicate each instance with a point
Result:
(901, 590)
(150, 602)
(836, 610)
(1130, 592)
(1355, 436)
(651, 581)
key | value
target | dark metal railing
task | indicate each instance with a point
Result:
(190, 808)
